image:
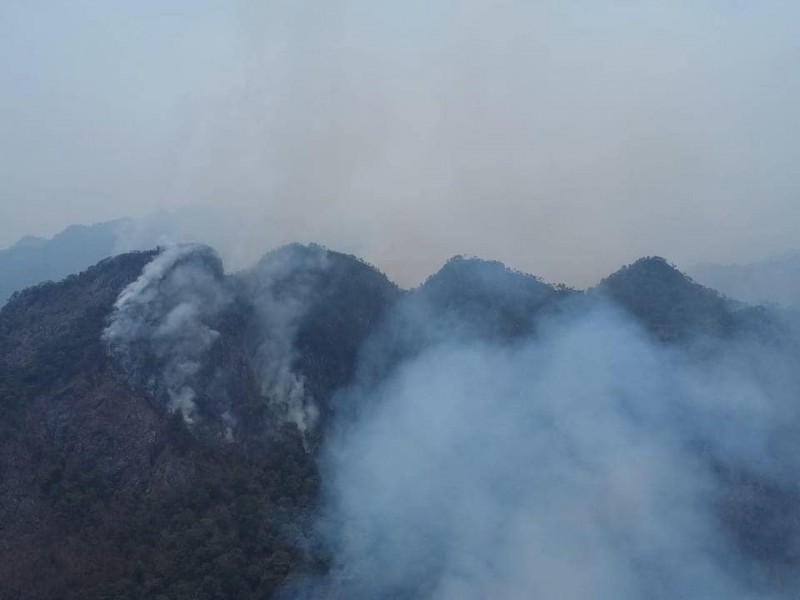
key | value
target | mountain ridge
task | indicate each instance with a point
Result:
(179, 455)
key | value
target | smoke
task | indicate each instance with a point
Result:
(472, 126)
(469, 126)
(164, 326)
(573, 457)
(492, 128)
(167, 312)
(585, 462)
(281, 288)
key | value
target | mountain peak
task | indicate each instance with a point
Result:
(651, 266)
(485, 296)
(666, 300)
(473, 274)
(28, 241)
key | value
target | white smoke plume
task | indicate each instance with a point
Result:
(583, 464)
(167, 311)
(281, 289)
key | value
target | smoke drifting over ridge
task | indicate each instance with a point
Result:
(167, 311)
(581, 458)
(586, 462)
(166, 320)
(502, 438)
(279, 306)
(562, 139)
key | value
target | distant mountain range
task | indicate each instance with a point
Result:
(774, 280)
(33, 259)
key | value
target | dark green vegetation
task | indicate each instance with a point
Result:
(667, 301)
(103, 494)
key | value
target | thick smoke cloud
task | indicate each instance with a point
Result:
(589, 462)
(583, 459)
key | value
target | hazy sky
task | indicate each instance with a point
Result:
(564, 138)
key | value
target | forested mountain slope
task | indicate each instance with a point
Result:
(165, 426)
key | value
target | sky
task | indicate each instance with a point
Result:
(565, 139)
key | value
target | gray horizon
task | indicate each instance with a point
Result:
(562, 140)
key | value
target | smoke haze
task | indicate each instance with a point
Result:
(502, 438)
(167, 311)
(585, 462)
(481, 433)
(562, 139)
(167, 319)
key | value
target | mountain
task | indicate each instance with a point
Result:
(774, 280)
(669, 303)
(467, 299)
(164, 424)
(108, 490)
(488, 296)
(34, 260)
